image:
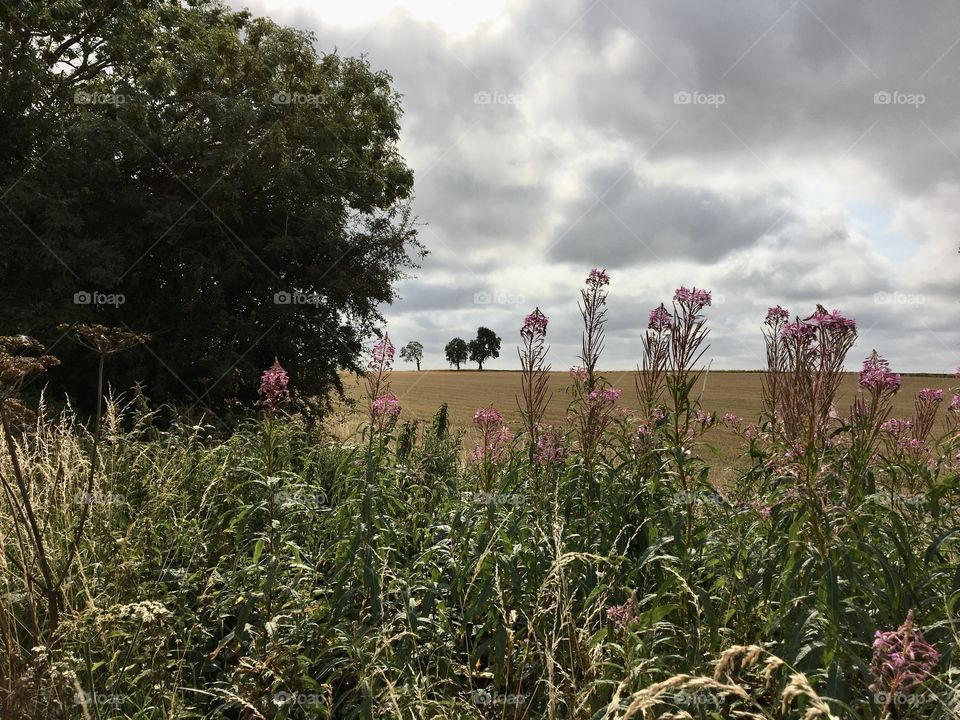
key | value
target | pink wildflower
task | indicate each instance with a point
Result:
(621, 614)
(385, 408)
(609, 395)
(534, 324)
(660, 319)
(876, 375)
(273, 387)
(928, 395)
(902, 658)
(549, 450)
(383, 352)
(598, 278)
(776, 316)
(694, 299)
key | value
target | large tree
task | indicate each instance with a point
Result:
(412, 352)
(218, 183)
(485, 346)
(457, 352)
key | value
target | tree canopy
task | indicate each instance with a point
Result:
(412, 352)
(202, 175)
(457, 352)
(484, 347)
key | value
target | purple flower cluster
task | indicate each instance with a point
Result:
(897, 427)
(598, 278)
(776, 316)
(273, 387)
(534, 324)
(385, 408)
(578, 373)
(621, 614)
(549, 449)
(487, 417)
(383, 353)
(876, 375)
(660, 319)
(834, 322)
(609, 395)
(694, 299)
(954, 406)
(929, 395)
(496, 435)
(902, 658)
(705, 419)
(800, 332)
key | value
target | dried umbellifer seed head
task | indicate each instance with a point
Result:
(102, 339)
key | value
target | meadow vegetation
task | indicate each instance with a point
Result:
(580, 564)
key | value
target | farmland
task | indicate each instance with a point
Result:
(421, 393)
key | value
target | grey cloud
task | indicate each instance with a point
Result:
(635, 221)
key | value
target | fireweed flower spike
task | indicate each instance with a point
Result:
(660, 319)
(384, 411)
(598, 278)
(776, 316)
(534, 374)
(695, 300)
(494, 440)
(534, 324)
(273, 387)
(902, 659)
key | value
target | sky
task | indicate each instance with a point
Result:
(772, 151)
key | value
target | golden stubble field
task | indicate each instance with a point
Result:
(421, 393)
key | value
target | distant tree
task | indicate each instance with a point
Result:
(412, 352)
(485, 346)
(457, 352)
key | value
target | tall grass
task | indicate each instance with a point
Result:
(283, 572)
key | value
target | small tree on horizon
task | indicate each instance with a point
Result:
(485, 346)
(457, 352)
(412, 352)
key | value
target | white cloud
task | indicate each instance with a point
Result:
(798, 188)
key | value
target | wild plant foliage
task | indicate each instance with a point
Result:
(597, 569)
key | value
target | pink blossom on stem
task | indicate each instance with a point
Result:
(660, 319)
(609, 395)
(273, 387)
(694, 299)
(902, 658)
(621, 614)
(776, 316)
(876, 375)
(598, 278)
(385, 407)
(534, 324)
(549, 449)
(928, 395)
(383, 353)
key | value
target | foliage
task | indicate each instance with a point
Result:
(457, 351)
(202, 174)
(278, 573)
(412, 352)
(484, 347)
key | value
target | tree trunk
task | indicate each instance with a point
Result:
(418, 366)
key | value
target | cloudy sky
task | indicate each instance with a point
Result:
(787, 152)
